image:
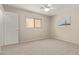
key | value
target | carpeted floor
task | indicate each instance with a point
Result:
(42, 47)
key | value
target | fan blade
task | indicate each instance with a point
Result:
(42, 8)
(50, 5)
(52, 8)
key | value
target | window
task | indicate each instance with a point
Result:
(37, 23)
(29, 23)
(33, 23)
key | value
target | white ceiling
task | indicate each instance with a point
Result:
(36, 8)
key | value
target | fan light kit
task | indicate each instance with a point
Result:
(46, 7)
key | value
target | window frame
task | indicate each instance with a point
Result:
(34, 23)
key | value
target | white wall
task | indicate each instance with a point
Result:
(66, 33)
(31, 34)
(1, 25)
(1, 28)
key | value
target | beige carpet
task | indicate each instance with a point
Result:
(42, 47)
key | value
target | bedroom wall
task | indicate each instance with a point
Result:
(1, 24)
(26, 34)
(1, 28)
(66, 33)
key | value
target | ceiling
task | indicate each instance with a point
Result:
(36, 8)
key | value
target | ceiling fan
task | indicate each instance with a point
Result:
(46, 7)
